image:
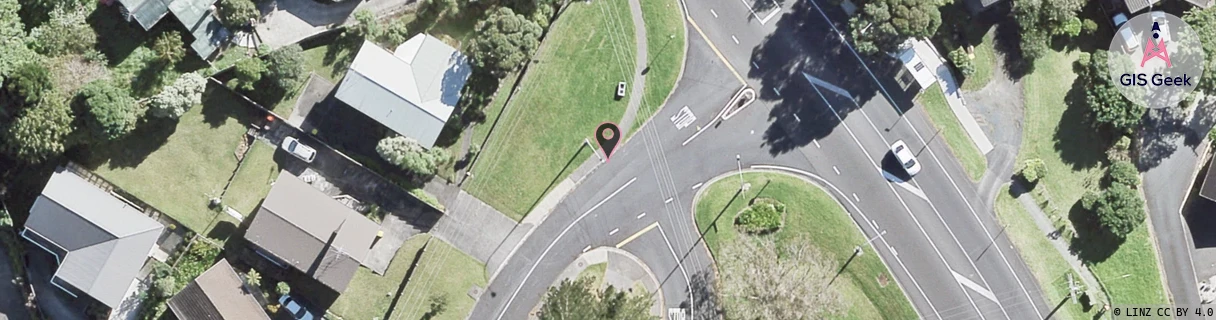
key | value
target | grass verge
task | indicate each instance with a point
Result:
(596, 273)
(960, 143)
(369, 295)
(984, 62)
(665, 55)
(178, 167)
(563, 97)
(814, 214)
(1056, 132)
(1041, 257)
(444, 272)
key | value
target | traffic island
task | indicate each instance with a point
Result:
(608, 266)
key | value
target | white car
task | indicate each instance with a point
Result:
(620, 89)
(299, 150)
(1129, 39)
(905, 157)
(1159, 18)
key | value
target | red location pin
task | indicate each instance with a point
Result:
(607, 135)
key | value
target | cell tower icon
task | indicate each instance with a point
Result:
(1155, 48)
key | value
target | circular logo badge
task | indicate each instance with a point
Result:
(1155, 59)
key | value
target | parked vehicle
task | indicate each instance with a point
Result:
(293, 307)
(1130, 43)
(299, 150)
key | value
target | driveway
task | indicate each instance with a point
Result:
(53, 302)
(12, 306)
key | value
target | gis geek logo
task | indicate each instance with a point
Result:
(1140, 59)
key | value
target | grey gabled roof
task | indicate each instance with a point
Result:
(107, 241)
(311, 231)
(412, 91)
(217, 294)
(146, 12)
(209, 34)
(196, 15)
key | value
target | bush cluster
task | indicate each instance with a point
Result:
(763, 216)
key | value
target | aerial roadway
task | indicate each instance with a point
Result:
(823, 112)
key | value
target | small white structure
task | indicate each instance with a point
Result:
(915, 70)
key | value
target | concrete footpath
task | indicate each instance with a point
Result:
(1044, 223)
(624, 272)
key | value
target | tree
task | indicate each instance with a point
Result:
(1109, 107)
(409, 155)
(285, 67)
(1120, 209)
(238, 13)
(883, 25)
(1071, 27)
(756, 276)
(1125, 173)
(1033, 169)
(962, 61)
(165, 287)
(32, 81)
(13, 39)
(367, 28)
(108, 112)
(435, 9)
(1040, 19)
(176, 99)
(1204, 24)
(397, 33)
(282, 288)
(577, 299)
(253, 278)
(505, 40)
(1212, 136)
(247, 72)
(39, 132)
(66, 32)
(169, 47)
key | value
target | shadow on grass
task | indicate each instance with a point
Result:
(712, 225)
(221, 105)
(1077, 141)
(1092, 243)
(130, 151)
(409, 274)
(222, 230)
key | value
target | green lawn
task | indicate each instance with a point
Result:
(564, 96)
(252, 181)
(596, 273)
(369, 295)
(960, 143)
(446, 272)
(812, 213)
(1074, 155)
(665, 54)
(177, 167)
(1044, 261)
(984, 61)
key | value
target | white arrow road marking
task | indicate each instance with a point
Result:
(904, 184)
(974, 286)
(826, 85)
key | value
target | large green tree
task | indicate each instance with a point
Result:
(1204, 24)
(236, 14)
(176, 99)
(13, 49)
(66, 32)
(578, 299)
(247, 72)
(40, 132)
(108, 112)
(31, 81)
(169, 47)
(1041, 19)
(504, 41)
(367, 26)
(285, 67)
(1109, 107)
(1119, 209)
(408, 154)
(883, 25)
(756, 277)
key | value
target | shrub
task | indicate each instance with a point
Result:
(285, 67)
(1212, 135)
(66, 32)
(247, 72)
(109, 112)
(1089, 199)
(253, 278)
(763, 216)
(169, 47)
(962, 61)
(1033, 169)
(1088, 26)
(1071, 27)
(282, 288)
(409, 155)
(1120, 209)
(175, 100)
(238, 13)
(1124, 172)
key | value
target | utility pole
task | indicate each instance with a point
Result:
(742, 186)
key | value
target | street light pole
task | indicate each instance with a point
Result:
(739, 162)
(857, 251)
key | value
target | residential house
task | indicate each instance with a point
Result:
(217, 294)
(300, 228)
(412, 90)
(1208, 189)
(197, 15)
(99, 242)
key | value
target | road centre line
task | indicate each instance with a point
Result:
(855, 197)
(698, 185)
(614, 231)
(554, 242)
(641, 215)
(816, 141)
(901, 201)
(837, 170)
(668, 200)
(931, 153)
(713, 12)
(637, 234)
(777, 92)
(588, 248)
(732, 37)
(862, 230)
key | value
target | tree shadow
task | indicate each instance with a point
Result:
(702, 288)
(800, 45)
(221, 104)
(1075, 140)
(1092, 243)
(1160, 128)
(1008, 39)
(129, 151)
(222, 230)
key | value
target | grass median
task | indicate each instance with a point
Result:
(960, 143)
(811, 213)
(568, 90)
(665, 54)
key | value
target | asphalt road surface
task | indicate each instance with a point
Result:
(942, 243)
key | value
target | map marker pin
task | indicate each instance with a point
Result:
(607, 135)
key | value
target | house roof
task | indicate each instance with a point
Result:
(1208, 189)
(196, 15)
(209, 34)
(1201, 3)
(106, 240)
(309, 230)
(412, 91)
(216, 294)
(1134, 6)
(146, 12)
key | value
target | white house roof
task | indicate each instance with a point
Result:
(412, 91)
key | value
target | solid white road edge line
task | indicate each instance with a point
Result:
(554, 242)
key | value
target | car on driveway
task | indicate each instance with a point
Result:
(905, 157)
(1129, 39)
(299, 150)
(292, 307)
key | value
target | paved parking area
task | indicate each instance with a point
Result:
(54, 303)
(12, 306)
